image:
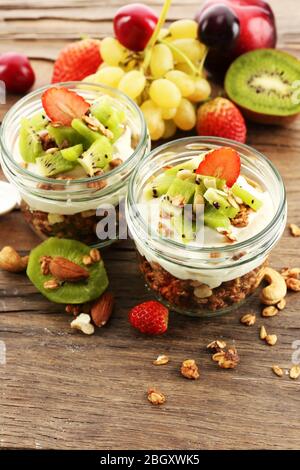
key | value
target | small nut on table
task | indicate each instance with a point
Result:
(11, 261)
(189, 369)
(227, 359)
(263, 332)
(270, 311)
(271, 340)
(161, 360)
(276, 290)
(281, 305)
(102, 309)
(277, 370)
(217, 345)
(155, 397)
(293, 284)
(83, 323)
(249, 319)
(295, 372)
(295, 230)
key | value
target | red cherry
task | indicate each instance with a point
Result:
(16, 72)
(134, 25)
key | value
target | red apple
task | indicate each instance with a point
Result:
(239, 25)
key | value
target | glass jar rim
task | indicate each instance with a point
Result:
(45, 180)
(192, 249)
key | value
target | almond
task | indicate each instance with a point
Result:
(102, 309)
(65, 270)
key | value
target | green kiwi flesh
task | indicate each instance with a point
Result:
(67, 293)
(263, 83)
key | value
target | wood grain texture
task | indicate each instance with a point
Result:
(62, 390)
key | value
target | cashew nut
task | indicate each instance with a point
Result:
(83, 323)
(276, 290)
(11, 261)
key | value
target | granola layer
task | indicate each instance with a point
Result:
(193, 296)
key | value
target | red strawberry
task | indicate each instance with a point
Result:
(77, 60)
(149, 317)
(62, 105)
(224, 163)
(221, 118)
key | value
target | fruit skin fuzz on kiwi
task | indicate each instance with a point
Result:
(262, 83)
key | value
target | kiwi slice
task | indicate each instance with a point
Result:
(182, 190)
(158, 186)
(65, 134)
(220, 203)
(67, 293)
(30, 144)
(72, 153)
(51, 164)
(214, 219)
(246, 197)
(87, 134)
(39, 121)
(97, 156)
(262, 83)
(106, 112)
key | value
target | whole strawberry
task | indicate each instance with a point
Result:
(221, 118)
(149, 317)
(77, 60)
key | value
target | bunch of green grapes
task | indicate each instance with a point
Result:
(166, 81)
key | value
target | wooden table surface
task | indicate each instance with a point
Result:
(63, 390)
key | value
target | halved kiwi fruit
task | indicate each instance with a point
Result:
(68, 292)
(265, 84)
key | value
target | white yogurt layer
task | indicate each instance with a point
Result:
(212, 239)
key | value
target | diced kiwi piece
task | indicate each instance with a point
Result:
(214, 219)
(246, 197)
(220, 203)
(97, 157)
(158, 186)
(87, 134)
(184, 227)
(189, 165)
(39, 121)
(30, 144)
(72, 153)
(109, 115)
(65, 134)
(212, 182)
(181, 189)
(51, 164)
(67, 293)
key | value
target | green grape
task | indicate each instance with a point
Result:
(191, 48)
(161, 60)
(150, 107)
(183, 67)
(168, 113)
(165, 93)
(184, 82)
(170, 129)
(155, 124)
(112, 52)
(202, 90)
(132, 83)
(185, 117)
(109, 76)
(157, 132)
(184, 29)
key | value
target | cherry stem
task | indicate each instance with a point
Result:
(152, 41)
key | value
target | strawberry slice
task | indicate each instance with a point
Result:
(224, 163)
(63, 105)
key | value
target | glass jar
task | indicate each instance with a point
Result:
(207, 280)
(71, 208)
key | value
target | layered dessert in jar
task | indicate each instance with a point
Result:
(70, 149)
(204, 214)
